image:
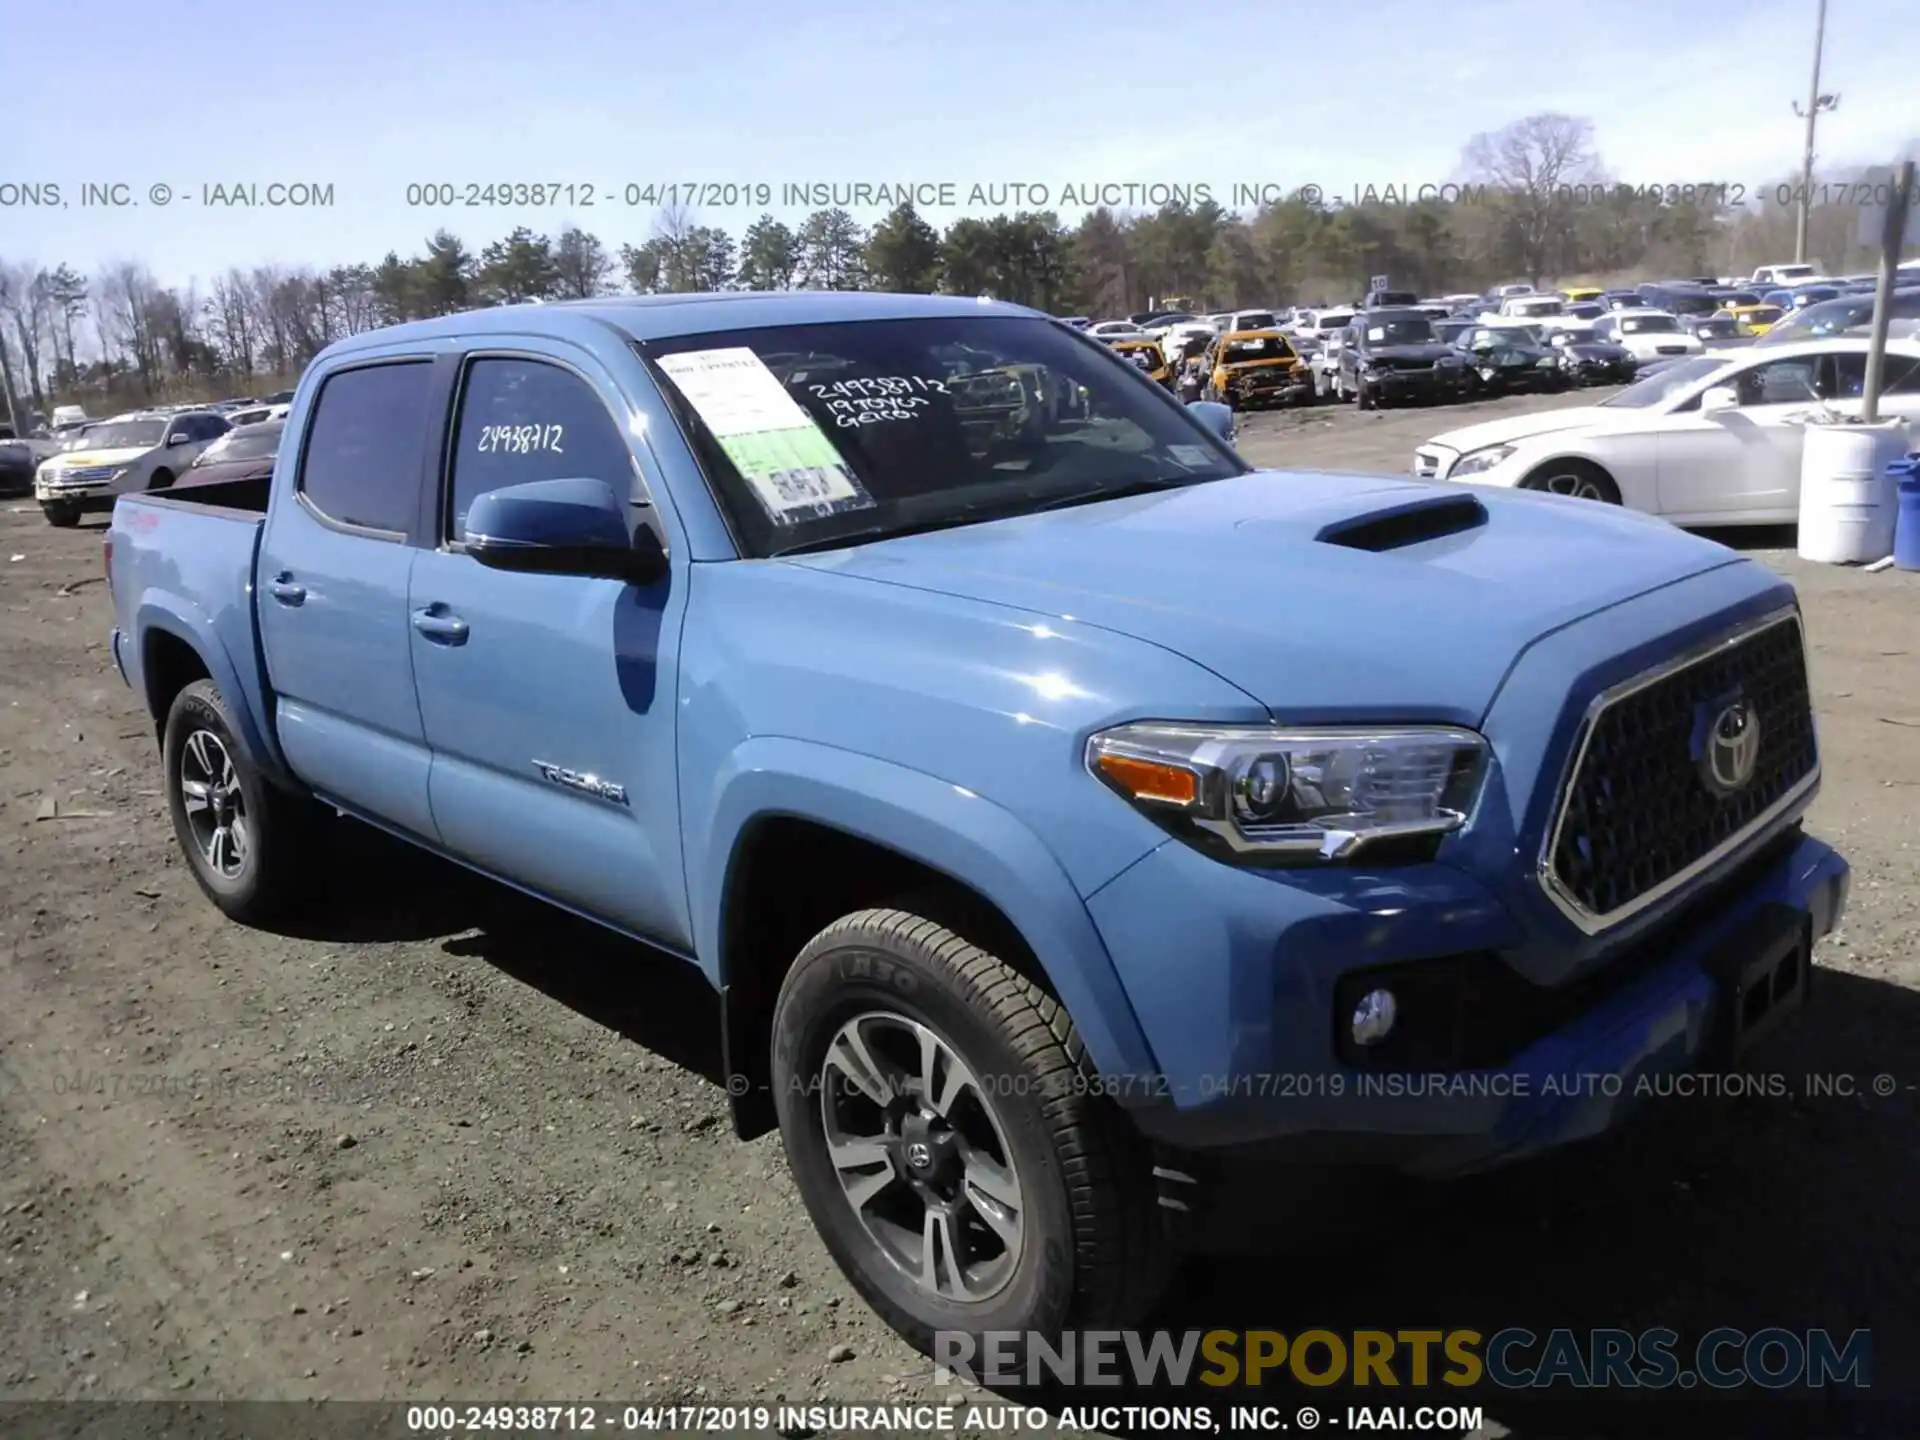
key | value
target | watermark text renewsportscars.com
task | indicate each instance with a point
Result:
(109, 194)
(1773, 1359)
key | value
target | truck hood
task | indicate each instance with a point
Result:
(80, 459)
(1234, 575)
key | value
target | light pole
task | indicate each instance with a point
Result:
(1817, 104)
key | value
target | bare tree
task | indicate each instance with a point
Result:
(1539, 165)
(24, 304)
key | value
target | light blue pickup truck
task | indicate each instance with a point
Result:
(1063, 810)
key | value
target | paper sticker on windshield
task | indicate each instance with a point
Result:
(793, 468)
(1195, 457)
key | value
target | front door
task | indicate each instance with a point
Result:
(1746, 458)
(548, 699)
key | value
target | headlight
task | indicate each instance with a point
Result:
(1546, 362)
(1266, 793)
(1479, 460)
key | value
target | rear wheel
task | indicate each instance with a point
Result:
(949, 1139)
(247, 842)
(1581, 479)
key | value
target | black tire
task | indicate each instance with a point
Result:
(160, 480)
(1581, 479)
(273, 872)
(61, 517)
(1366, 396)
(1093, 1251)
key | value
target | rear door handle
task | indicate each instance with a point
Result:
(285, 591)
(440, 627)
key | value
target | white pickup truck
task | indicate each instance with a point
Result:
(1792, 274)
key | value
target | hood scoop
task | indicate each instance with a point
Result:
(1414, 523)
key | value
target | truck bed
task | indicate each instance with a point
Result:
(181, 566)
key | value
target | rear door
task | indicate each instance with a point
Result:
(333, 573)
(548, 699)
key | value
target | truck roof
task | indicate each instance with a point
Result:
(655, 317)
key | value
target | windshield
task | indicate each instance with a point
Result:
(1146, 357)
(1717, 328)
(817, 435)
(1691, 304)
(1648, 325)
(1333, 320)
(1574, 335)
(1255, 320)
(1256, 347)
(249, 442)
(1667, 381)
(1791, 272)
(1537, 307)
(126, 435)
(1401, 330)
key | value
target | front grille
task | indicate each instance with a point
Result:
(83, 475)
(1671, 349)
(1637, 818)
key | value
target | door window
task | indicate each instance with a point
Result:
(1781, 382)
(361, 463)
(525, 420)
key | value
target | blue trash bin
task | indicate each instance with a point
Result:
(1906, 528)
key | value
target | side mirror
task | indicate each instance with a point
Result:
(561, 527)
(178, 437)
(1216, 417)
(1719, 397)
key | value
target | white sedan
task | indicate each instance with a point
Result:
(1713, 439)
(1117, 330)
(1648, 334)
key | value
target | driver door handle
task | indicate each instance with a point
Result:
(440, 625)
(282, 588)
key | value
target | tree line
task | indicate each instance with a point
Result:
(1537, 207)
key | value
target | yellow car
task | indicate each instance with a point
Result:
(1578, 293)
(1256, 367)
(1755, 319)
(1148, 355)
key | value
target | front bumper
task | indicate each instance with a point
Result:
(1271, 392)
(1240, 990)
(1433, 381)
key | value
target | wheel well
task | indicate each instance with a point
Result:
(168, 666)
(790, 878)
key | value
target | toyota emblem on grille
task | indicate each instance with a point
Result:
(1732, 750)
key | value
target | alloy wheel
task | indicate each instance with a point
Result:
(216, 807)
(922, 1157)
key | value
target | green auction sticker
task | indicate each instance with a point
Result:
(795, 470)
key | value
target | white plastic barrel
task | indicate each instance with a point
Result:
(1848, 502)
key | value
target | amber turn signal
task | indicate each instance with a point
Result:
(1151, 779)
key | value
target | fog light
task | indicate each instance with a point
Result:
(1373, 1017)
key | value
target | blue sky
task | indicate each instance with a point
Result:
(369, 98)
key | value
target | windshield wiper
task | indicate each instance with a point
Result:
(873, 532)
(1096, 493)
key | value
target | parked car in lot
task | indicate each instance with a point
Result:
(1716, 332)
(1648, 334)
(1395, 355)
(1251, 368)
(146, 451)
(1146, 354)
(1017, 783)
(1588, 360)
(1711, 439)
(1113, 329)
(1503, 359)
(245, 452)
(1755, 319)
(21, 456)
(1845, 314)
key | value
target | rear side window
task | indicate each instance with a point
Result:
(362, 458)
(525, 420)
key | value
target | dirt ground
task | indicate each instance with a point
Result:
(446, 1144)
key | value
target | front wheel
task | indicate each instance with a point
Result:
(61, 517)
(950, 1142)
(246, 841)
(161, 480)
(1580, 479)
